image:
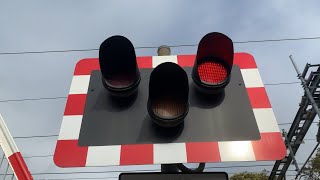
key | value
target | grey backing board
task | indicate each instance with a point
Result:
(108, 121)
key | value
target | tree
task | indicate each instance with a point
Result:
(250, 176)
(312, 170)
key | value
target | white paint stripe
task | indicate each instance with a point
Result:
(156, 60)
(7, 143)
(251, 78)
(5, 146)
(266, 120)
(70, 127)
(79, 84)
(103, 155)
(236, 151)
(170, 153)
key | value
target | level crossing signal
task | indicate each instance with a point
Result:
(124, 109)
(168, 88)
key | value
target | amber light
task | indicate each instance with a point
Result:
(120, 80)
(168, 107)
(212, 72)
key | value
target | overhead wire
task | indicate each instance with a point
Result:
(37, 136)
(154, 47)
(39, 156)
(116, 177)
(33, 99)
(149, 170)
(146, 47)
(36, 156)
(101, 172)
(143, 170)
(51, 155)
(56, 135)
(289, 123)
(281, 83)
(64, 97)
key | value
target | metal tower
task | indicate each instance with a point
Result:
(304, 118)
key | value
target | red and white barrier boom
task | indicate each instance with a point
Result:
(12, 153)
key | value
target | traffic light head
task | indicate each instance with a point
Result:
(168, 95)
(213, 64)
(120, 73)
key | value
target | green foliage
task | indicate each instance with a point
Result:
(312, 170)
(250, 176)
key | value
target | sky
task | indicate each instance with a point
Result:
(68, 25)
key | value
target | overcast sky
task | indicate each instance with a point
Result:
(64, 25)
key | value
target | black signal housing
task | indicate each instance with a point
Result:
(212, 68)
(168, 95)
(118, 64)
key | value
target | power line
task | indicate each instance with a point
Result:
(281, 83)
(49, 51)
(38, 136)
(39, 156)
(64, 97)
(51, 155)
(85, 178)
(289, 123)
(33, 99)
(277, 40)
(56, 135)
(118, 177)
(154, 47)
(146, 170)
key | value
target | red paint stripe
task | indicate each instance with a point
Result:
(244, 60)
(186, 60)
(144, 62)
(269, 147)
(136, 154)
(69, 154)
(19, 166)
(258, 97)
(75, 104)
(203, 152)
(85, 66)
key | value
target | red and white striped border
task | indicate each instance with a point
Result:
(12, 153)
(69, 154)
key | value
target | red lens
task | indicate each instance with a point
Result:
(212, 72)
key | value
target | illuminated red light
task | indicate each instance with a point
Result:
(212, 72)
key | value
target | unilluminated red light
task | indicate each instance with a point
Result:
(212, 72)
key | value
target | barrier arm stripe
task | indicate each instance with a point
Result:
(12, 153)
